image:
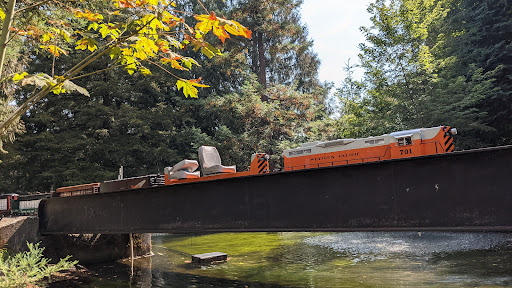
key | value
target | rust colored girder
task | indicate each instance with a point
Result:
(460, 191)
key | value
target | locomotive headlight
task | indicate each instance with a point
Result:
(453, 131)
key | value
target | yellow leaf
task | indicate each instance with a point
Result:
(176, 65)
(220, 33)
(145, 71)
(18, 77)
(94, 17)
(195, 82)
(188, 89)
(2, 14)
(93, 26)
(87, 43)
(206, 22)
(47, 37)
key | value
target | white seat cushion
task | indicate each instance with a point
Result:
(187, 165)
(211, 163)
(182, 174)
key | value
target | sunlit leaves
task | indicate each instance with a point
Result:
(94, 17)
(220, 26)
(144, 48)
(87, 43)
(2, 14)
(54, 50)
(152, 33)
(109, 29)
(189, 87)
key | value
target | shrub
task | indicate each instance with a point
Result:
(29, 267)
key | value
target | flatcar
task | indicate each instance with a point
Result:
(402, 144)
(77, 190)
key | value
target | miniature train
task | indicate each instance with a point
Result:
(402, 144)
(14, 204)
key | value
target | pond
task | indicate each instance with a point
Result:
(356, 259)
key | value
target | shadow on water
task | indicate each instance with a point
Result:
(118, 275)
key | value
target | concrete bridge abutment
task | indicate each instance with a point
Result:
(15, 232)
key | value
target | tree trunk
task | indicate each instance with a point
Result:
(9, 15)
(262, 73)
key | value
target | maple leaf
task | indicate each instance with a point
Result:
(188, 87)
(87, 43)
(47, 37)
(93, 26)
(221, 27)
(236, 29)
(54, 50)
(94, 17)
(2, 14)
(220, 33)
(206, 22)
(109, 29)
(115, 53)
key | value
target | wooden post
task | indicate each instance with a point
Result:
(131, 253)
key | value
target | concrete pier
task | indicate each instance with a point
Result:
(87, 248)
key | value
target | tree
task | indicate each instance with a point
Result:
(477, 43)
(412, 75)
(151, 30)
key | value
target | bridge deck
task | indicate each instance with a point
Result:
(461, 191)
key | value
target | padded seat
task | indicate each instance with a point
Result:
(211, 163)
(183, 170)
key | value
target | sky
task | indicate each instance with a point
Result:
(334, 27)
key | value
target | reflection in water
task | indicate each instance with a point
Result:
(390, 259)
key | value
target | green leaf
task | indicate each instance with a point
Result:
(115, 53)
(43, 79)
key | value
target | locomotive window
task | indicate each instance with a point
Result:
(404, 141)
(369, 142)
(378, 141)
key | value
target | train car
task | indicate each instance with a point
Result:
(110, 186)
(132, 183)
(27, 204)
(402, 144)
(6, 204)
(77, 190)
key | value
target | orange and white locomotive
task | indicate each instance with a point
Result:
(402, 144)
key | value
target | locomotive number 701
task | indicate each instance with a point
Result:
(405, 151)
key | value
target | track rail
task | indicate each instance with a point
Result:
(460, 191)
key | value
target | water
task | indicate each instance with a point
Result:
(379, 259)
